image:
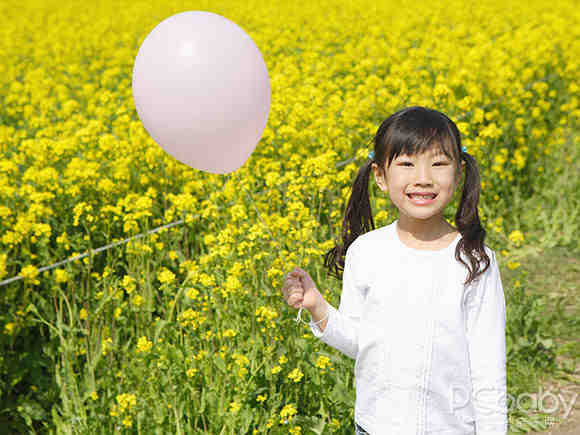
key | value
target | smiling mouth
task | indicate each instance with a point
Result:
(422, 197)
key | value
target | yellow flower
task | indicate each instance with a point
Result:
(261, 398)
(137, 300)
(94, 395)
(492, 131)
(9, 328)
(382, 216)
(322, 362)
(266, 314)
(516, 237)
(229, 333)
(241, 360)
(335, 424)
(144, 345)
(235, 407)
(61, 276)
(191, 318)
(242, 372)
(513, 265)
(499, 159)
(441, 90)
(296, 430)
(165, 276)
(126, 401)
(519, 159)
(276, 369)
(192, 293)
(282, 359)
(200, 355)
(287, 413)
(83, 314)
(107, 345)
(127, 422)
(191, 372)
(295, 375)
(30, 273)
(129, 284)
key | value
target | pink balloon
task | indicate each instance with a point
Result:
(202, 91)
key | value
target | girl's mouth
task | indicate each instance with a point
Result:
(421, 199)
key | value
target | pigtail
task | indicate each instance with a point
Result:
(468, 223)
(357, 220)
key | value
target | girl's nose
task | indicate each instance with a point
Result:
(423, 175)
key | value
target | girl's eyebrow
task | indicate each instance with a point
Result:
(433, 154)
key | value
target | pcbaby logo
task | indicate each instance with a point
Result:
(494, 400)
(544, 401)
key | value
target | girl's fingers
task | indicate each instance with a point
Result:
(296, 291)
(292, 289)
(291, 282)
(295, 300)
(295, 296)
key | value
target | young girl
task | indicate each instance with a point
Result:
(422, 308)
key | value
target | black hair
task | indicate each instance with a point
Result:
(410, 131)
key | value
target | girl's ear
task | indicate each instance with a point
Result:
(381, 182)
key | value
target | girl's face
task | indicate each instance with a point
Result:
(431, 172)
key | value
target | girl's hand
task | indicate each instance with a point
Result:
(299, 289)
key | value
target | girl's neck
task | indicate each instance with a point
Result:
(429, 232)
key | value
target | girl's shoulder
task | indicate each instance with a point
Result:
(371, 238)
(373, 245)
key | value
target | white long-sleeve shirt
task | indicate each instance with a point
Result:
(430, 352)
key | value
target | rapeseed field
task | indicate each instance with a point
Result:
(184, 330)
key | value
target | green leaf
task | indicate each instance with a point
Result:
(160, 324)
(220, 364)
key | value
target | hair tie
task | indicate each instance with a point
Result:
(464, 149)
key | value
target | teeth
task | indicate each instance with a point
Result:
(423, 196)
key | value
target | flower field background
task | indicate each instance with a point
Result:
(185, 330)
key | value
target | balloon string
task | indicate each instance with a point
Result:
(298, 318)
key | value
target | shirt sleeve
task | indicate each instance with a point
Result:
(341, 331)
(486, 317)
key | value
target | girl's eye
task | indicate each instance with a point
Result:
(436, 163)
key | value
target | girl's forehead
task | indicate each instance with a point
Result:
(433, 151)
